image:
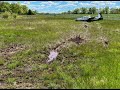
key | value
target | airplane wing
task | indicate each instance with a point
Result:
(82, 19)
(97, 18)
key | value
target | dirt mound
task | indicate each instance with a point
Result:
(77, 39)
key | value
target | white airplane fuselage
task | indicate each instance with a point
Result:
(89, 19)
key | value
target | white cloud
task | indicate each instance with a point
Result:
(42, 5)
(103, 3)
(59, 9)
(50, 3)
(88, 5)
(27, 2)
(117, 6)
(67, 5)
(72, 2)
(85, 4)
(97, 4)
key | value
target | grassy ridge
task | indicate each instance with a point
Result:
(89, 65)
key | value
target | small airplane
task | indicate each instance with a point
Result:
(89, 19)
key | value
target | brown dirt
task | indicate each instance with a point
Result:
(24, 86)
(77, 40)
(10, 50)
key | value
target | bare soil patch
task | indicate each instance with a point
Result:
(10, 50)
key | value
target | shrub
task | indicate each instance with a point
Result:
(30, 12)
(6, 15)
(14, 15)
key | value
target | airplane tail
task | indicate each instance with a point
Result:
(101, 16)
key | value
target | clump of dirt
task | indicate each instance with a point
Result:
(85, 25)
(56, 49)
(10, 50)
(76, 39)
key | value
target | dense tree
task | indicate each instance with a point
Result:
(23, 10)
(106, 10)
(83, 10)
(35, 12)
(4, 6)
(90, 11)
(14, 8)
(69, 12)
(30, 12)
(76, 11)
(94, 10)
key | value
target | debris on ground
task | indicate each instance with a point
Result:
(53, 55)
(77, 40)
(54, 52)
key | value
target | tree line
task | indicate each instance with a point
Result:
(15, 8)
(93, 10)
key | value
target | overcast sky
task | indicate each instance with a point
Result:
(61, 6)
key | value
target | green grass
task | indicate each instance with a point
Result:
(86, 66)
(10, 80)
(1, 62)
(14, 64)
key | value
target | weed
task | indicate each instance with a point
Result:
(14, 64)
(10, 80)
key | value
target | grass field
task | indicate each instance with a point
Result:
(25, 43)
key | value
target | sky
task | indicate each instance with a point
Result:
(63, 6)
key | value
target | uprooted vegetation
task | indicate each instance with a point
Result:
(77, 39)
(90, 60)
(58, 47)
